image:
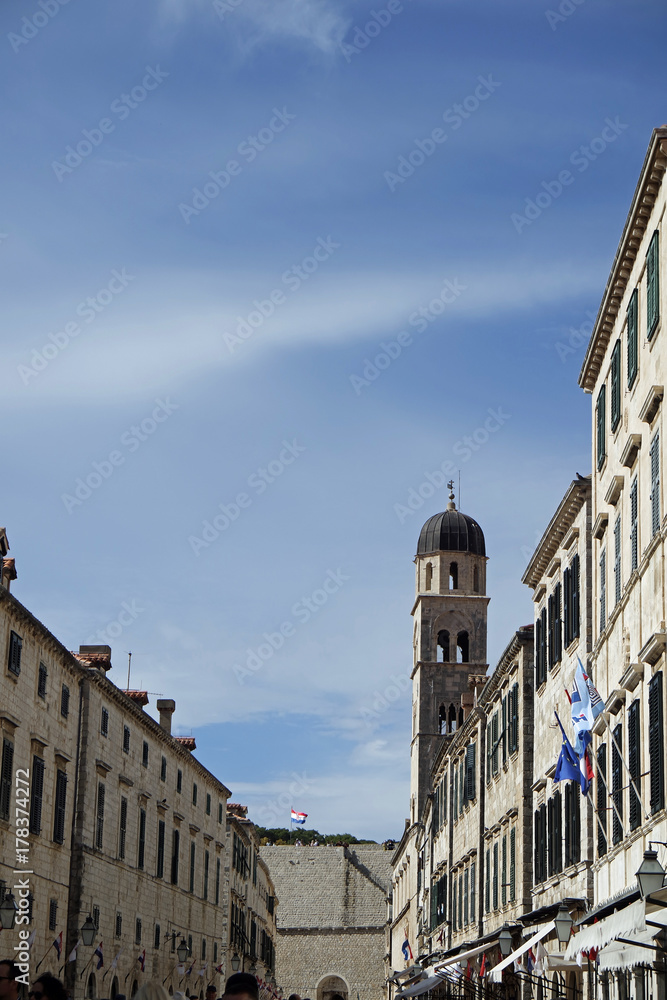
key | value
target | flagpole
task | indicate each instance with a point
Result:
(87, 964)
(595, 813)
(43, 957)
(632, 780)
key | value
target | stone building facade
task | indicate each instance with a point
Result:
(252, 898)
(332, 919)
(123, 823)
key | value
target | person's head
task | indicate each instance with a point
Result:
(242, 985)
(47, 987)
(294, 996)
(151, 991)
(211, 992)
(9, 988)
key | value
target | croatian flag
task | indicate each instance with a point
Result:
(141, 959)
(100, 955)
(586, 706)
(58, 944)
(299, 817)
(407, 950)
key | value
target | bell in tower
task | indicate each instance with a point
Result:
(450, 613)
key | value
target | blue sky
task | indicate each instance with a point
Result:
(305, 115)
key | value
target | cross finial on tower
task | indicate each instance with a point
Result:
(450, 486)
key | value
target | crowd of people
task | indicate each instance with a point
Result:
(239, 986)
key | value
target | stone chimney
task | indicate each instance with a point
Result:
(166, 707)
(95, 656)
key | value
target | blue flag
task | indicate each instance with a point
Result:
(569, 766)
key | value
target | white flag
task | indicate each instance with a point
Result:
(72, 957)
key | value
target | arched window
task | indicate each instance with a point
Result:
(442, 719)
(114, 987)
(443, 646)
(475, 580)
(451, 724)
(460, 717)
(135, 987)
(453, 576)
(91, 990)
(429, 575)
(462, 648)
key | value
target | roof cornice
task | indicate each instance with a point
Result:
(646, 192)
(578, 492)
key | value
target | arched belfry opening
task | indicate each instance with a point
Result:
(475, 580)
(462, 647)
(451, 719)
(428, 582)
(453, 576)
(443, 646)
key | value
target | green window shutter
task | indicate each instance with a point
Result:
(601, 425)
(473, 890)
(603, 589)
(633, 355)
(655, 484)
(503, 734)
(575, 597)
(558, 625)
(617, 785)
(602, 798)
(495, 876)
(36, 794)
(487, 881)
(617, 560)
(616, 385)
(634, 539)
(503, 882)
(512, 864)
(634, 764)
(652, 287)
(656, 743)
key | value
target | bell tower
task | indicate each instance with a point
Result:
(449, 639)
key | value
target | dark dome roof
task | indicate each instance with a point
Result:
(451, 531)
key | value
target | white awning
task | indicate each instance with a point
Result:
(496, 974)
(463, 956)
(618, 955)
(628, 922)
(423, 986)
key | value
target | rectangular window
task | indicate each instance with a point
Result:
(41, 681)
(59, 808)
(160, 849)
(455, 802)
(163, 769)
(603, 590)
(217, 882)
(137, 931)
(15, 647)
(454, 895)
(193, 851)
(617, 785)
(471, 771)
(617, 560)
(179, 781)
(96, 917)
(633, 354)
(219, 812)
(466, 897)
(602, 799)
(119, 925)
(558, 624)
(175, 850)
(572, 823)
(634, 547)
(550, 641)
(487, 881)
(514, 718)
(616, 385)
(576, 591)
(6, 778)
(194, 794)
(53, 914)
(64, 701)
(142, 839)
(104, 722)
(122, 832)
(655, 742)
(157, 939)
(652, 287)
(495, 876)
(494, 733)
(634, 766)
(473, 890)
(99, 827)
(208, 804)
(541, 647)
(503, 870)
(36, 794)
(206, 864)
(126, 739)
(655, 484)
(541, 843)
(503, 728)
(600, 423)
(461, 899)
(144, 755)
(203, 947)
(512, 885)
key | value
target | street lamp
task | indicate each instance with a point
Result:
(182, 951)
(88, 931)
(563, 922)
(236, 961)
(650, 874)
(8, 910)
(505, 940)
